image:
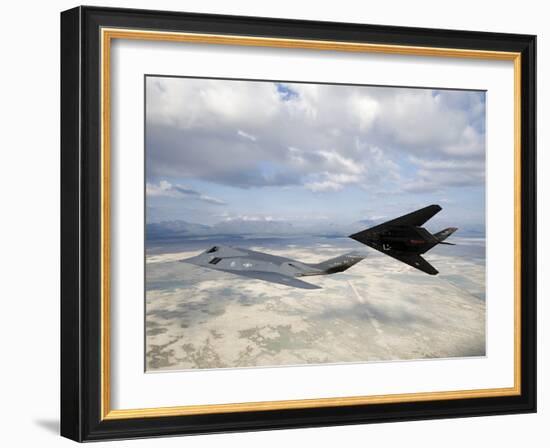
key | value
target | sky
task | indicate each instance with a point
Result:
(233, 151)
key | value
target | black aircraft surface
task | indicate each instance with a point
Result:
(405, 239)
(402, 238)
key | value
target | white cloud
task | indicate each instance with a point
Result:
(332, 182)
(189, 103)
(163, 188)
(366, 109)
(247, 136)
(341, 164)
(166, 189)
(436, 174)
(324, 185)
(253, 218)
(323, 137)
(434, 124)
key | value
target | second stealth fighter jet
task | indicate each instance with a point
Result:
(268, 267)
(405, 239)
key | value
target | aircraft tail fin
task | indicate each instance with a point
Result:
(444, 234)
(339, 263)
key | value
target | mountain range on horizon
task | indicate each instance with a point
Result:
(180, 229)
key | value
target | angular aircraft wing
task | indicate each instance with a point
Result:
(414, 219)
(273, 277)
(414, 260)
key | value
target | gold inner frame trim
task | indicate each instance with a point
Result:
(107, 35)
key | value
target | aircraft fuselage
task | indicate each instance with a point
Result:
(401, 239)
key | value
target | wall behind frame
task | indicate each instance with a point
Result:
(29, 112)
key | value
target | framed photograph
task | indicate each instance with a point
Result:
(273, 223)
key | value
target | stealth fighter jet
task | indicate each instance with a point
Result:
(402, 238)
(271, 268)
(405, 239)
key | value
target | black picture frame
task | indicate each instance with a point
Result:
(81, 381)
